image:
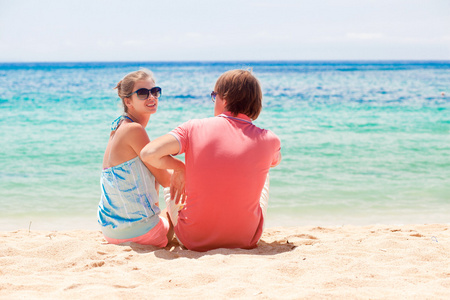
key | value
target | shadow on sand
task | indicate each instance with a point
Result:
(174, 250)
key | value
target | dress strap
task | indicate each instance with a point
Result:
(117, 121)
(114, 125)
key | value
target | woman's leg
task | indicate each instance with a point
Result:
(264, 200)
(172, 208)
(172, 211)
(170, 232)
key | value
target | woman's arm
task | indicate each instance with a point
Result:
(158, 153)
(137, 138)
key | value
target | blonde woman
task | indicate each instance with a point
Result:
(129, 207)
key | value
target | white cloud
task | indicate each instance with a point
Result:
(193, 35)
(104, 43)
(272, 36)
(364, 36)
(135, 43)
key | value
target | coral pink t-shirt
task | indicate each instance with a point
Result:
(227, 160)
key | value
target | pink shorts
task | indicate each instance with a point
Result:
(157, 236)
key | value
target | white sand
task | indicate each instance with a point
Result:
(370, 262)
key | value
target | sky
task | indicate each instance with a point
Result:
(198, 30)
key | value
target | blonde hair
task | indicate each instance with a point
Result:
(242, 91)
(126, 85)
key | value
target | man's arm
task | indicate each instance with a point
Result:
(158, 153)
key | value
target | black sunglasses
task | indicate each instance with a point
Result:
(144, 93)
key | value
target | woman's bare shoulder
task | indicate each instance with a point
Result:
(131, 128)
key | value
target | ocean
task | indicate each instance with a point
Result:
(362, 142)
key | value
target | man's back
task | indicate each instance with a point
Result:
(227, 162)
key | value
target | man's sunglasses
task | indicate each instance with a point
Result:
(213, 96)
(144, 93)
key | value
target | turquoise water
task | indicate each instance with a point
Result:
(362, 142)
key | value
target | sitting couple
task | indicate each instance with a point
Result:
(217, 198)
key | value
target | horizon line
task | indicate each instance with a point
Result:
(227, 61)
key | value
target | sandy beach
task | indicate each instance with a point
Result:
(348, 262)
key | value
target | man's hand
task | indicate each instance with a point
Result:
(177, 183)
